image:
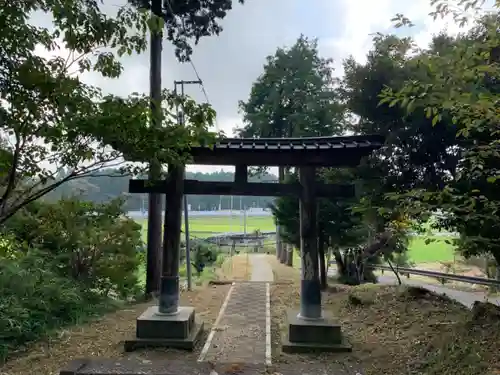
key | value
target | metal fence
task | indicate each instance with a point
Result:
(438, 275)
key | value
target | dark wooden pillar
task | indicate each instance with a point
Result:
(241, 174)
(310, 291)
(169, 287)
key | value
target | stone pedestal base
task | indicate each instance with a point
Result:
(322, 335)
(180, 331)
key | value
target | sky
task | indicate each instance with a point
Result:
(230, 63)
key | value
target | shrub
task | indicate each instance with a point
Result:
(203, 254)
(35, 300)
(93, 244)
(59, 263)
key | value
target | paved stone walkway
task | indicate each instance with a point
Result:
(241, 334)
(261, 269)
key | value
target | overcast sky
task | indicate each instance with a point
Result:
(229, 64)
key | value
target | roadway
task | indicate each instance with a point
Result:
(466, 298)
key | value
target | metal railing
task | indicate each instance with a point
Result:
(437, 275)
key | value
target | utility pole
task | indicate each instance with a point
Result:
(245, 221)
(154, 245)
(180, 121)
(231, 215)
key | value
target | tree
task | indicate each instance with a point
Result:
(186, 20)
(108, 184)
(416, 154)
(90, 243)
(338, 226)
(57, 128)
(294, 96)
(464, 88)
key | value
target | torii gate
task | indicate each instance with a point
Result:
(307, 328)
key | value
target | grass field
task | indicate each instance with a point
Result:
(218, 224)
(436, 251)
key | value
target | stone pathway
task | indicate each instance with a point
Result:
(261, 269)
(242, 332)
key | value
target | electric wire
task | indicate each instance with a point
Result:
(203, 89)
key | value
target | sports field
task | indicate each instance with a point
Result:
(201, 227)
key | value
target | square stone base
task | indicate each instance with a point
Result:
(322, 335)
(180, 331)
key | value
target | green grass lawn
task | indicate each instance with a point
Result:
(218, 224)
(436, 251)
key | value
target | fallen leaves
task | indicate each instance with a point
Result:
(397, 330)
(104, 337)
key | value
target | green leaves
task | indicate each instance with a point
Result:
(59, 128)
(454, 84)
(185, 22)
(156, 24)
(295, 95)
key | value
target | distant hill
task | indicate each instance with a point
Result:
(108, 185)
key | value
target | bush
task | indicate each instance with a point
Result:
(91, 243)
(62, 262)
(203, 254)
(35, 300)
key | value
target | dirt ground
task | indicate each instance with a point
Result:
(394, 331)
(282, 273)
(104, 337)
(236, 268)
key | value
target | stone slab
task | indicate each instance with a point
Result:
(187, 343)
(325, 331)
(153, 325)
(97, 366)
(310, 336)
(304, 347)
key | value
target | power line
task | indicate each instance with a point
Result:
(199, 79)
(204, 91)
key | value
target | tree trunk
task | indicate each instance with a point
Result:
(322, 263)
(284, 255)
(289, 260)
(341, 267)
(280, 248)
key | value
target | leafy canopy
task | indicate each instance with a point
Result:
(294, 96)
(54, 127)
(462, 90)
(187, 20)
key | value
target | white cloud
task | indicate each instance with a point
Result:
(362, 18)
